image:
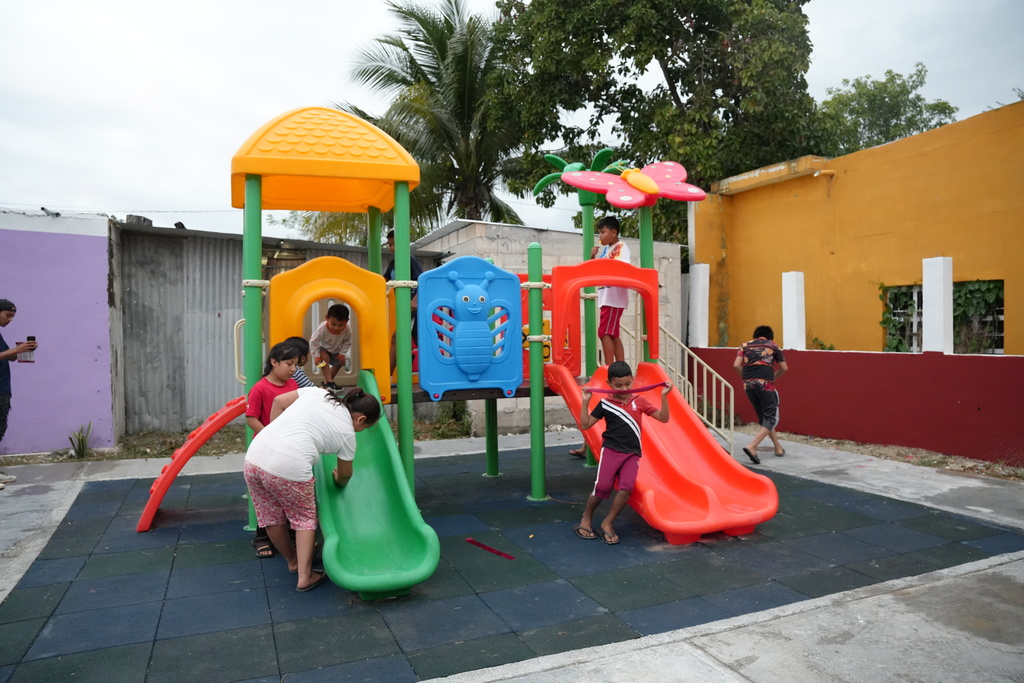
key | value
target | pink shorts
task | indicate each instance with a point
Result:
(609, 325)
(278, 501)
(612, 464)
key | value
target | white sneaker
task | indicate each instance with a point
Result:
(7, 478)
(2, 487)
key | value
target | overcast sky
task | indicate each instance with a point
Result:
(118, 106)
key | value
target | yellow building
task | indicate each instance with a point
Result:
(856, 222)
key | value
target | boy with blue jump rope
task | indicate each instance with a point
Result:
(620, 447)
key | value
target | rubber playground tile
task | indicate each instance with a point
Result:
(393, 669)
(457, 525)
(445, 582)
(31, 603)
(315, 643)
(236, 576)
(124, 522)
(541, 604)
(98, 510)
(235, 655)
(211, 613)
(564, 554)
(105, 491)
(949, 526)
(839, 548)
(834, 495)
(134, 562)
(885, 509)
(815, 584)
(286, 604)
(754, 598)
(68, 546)
(1007, 542)
(783, 526)
(785, 483)
(708, 573)
(896, 537)
(120, 664)
(46, 572)
(218, 501)
(66, 634)
(953, 554)
(825, 516)
(485, 571)
(17, 638)
(424, 625)
(575, 635)
(672, 615)
(533, 515)
(439, 508)
(771, 559)
(219, 552)
(113, 591)
(469, 655)
(896, 566)
(82, 527)
(123, 541)
(632, 588)
(231, 530)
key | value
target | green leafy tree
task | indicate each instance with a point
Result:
(436, 71)
(866, 112)
(717, 85)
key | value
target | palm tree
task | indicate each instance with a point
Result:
(436, 69)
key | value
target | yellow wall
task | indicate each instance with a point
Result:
(955, 191)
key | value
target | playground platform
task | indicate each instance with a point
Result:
(872, 570)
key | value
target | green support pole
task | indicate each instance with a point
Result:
(537, 476)
(252, 295)
(491, 435)
(373, 240)
(646, 261)
(403, 332)
(590, 340)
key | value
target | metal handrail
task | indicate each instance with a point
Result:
(706, 392)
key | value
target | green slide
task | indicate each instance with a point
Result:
(375, 540)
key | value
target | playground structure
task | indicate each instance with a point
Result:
(469, 320)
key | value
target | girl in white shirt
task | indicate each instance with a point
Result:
(279, 466)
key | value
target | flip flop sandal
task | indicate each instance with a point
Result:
(779, 455)
(315, 584)
(580, 529)
(752, 455)
(578, 452)
(605, 536)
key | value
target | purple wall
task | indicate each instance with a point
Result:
(59, 283)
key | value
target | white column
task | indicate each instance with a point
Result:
(794, 315)
(700, 294)
(937, 304)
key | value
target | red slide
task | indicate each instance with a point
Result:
(687, 485)
(193, 443)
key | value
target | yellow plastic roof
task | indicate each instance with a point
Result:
(319, 159)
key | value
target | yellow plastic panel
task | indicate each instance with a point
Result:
(319, 159)
(294, 291)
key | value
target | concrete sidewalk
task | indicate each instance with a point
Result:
(961, 623)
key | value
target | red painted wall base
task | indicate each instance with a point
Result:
(952, 404)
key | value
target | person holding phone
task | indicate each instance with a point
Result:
(8, 354)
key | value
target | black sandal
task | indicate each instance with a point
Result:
(264, 548)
